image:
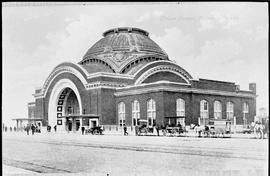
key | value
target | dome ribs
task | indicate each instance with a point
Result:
(124, 48)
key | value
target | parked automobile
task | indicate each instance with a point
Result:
(247, 130)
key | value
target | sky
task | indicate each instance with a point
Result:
(219, 41)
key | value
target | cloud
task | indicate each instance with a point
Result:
(175, 43)
(215, 59)
(205, 24)
(217, 19)
(260, 33)
(226, 19)
(148, 15)
(157, 13)
(27, 13)
(143, 17)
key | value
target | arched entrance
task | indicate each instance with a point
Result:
(64, 100)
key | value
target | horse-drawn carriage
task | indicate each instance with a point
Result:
(214, 128)
(94, 130)
(143, 129)
(172, 127)
(261, 129)
(173, 131)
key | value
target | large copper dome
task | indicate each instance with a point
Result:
(120, 46)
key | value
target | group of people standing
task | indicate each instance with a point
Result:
(5, 129)
(33, 128)
(49, 128)
(27, 128)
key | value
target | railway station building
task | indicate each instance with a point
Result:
(125, 77)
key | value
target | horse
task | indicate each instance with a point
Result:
(199, 130)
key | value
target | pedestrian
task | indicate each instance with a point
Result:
(37, 129)
(136, 130)
(49, 128)
(55, 128)
(266, 128)
(180, 127)
(83, 130)
(27, 128)
(14, 129)
(157, 128)
(33, 129)
(125, 130)
(5, 129)
(10, 129)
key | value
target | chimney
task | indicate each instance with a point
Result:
(252, 87)
(237, 88)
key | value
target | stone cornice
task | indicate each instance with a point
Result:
(104, 84)
(123, 92)
(162, 68)
(38, 95)
(111, 75)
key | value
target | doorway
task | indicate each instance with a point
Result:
(69, 125)
(93, 123)
(78, 123)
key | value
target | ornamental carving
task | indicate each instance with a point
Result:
(61, 70)
(104, 84)
(163, 68)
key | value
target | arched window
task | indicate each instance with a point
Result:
(151, 112)
(217, 110)
(204, 109)
(229, 110)
(121, 114)
(245, 113)
(32, 114)
(245, 108)
(135, 112)
(180, 111)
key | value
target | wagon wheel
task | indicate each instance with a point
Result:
(261, 134)
(230, 134)
(177, 132)
(95, 131)
(143, 131)
(213, 133)
(173, 132)
(205, 133)
(164, 132)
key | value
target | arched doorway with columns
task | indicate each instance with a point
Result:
(64, 105)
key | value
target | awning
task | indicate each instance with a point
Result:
(142, 120)
(174, 117)
(28, 119)
(89, 116)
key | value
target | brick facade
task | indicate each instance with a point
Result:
(166, 106)
(31, 110)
